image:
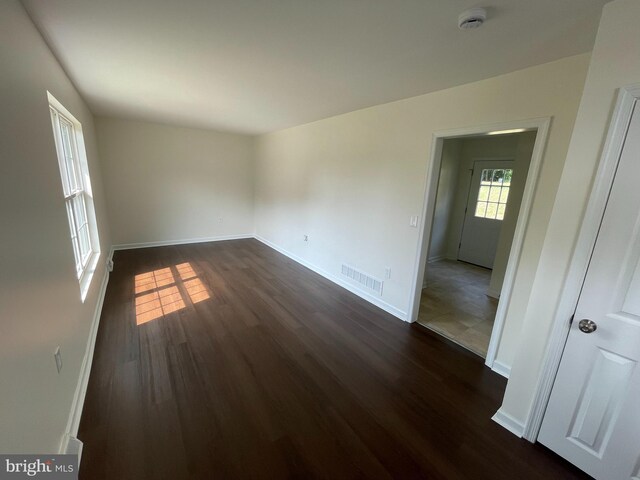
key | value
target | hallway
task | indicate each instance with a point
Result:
(454, 304)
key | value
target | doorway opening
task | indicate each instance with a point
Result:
(479, 193)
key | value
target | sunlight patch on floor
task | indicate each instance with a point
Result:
(164, 291)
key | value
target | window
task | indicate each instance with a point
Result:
(494, 191)
(76, 187)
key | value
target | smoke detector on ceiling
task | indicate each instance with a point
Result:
(472, 18)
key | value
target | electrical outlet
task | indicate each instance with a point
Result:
(58, 358)
(220, 220)
(387, 273)
(110, 265)
(306, 238)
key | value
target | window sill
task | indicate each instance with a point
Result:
(87, 275)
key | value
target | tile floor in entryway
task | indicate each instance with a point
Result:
(454, 303)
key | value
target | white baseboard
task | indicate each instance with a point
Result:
(353, 289)
(437, 258)
(69, 442)
(72, 446)
(507, 421)
(493, 293)
(501, 369)
(166, 243)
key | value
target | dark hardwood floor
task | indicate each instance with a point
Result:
(228, 360)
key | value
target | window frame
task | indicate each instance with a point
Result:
(76, 190)
(488, 201)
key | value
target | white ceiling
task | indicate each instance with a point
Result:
(255, 66)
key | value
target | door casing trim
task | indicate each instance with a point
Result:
(541, 125)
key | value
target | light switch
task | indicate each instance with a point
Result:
(413, 221)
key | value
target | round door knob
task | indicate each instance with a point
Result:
(587, 326)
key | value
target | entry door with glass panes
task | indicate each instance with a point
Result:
(486, 206)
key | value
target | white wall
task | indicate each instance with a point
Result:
(445, 199)
(167, 183)
(351, 182)
(40, 305)
(615, 63)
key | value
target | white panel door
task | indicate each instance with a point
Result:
(486, 206)
(593, 416)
